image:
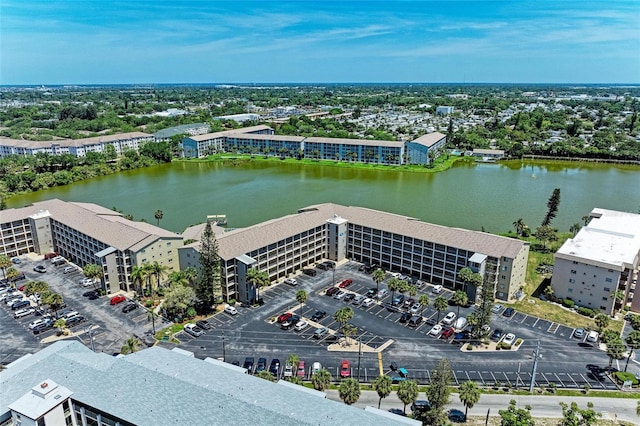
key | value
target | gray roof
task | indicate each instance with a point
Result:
(233, 132)
(430, 139)
(73, 142)
(162, 387)
(176, 130)
(240, 241)
(360, 142)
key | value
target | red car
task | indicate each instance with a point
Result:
(331, 291)
(345, 369)
(300, 372)
(21, 288)
(282, 318)
(117, 299)
(447, 332)
(345, 283)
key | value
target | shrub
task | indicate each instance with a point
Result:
(149, 303)
(191, 312)
(622, 377)
(518, 342)
(469, 347)
(232, 302)
(568, 303)
(586, 312)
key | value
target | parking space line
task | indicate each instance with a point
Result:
(534, 324)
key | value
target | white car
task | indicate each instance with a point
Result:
(509, 339)
(231, 310)
(301, 325)
(368, 302)
(435, 330)
(23, 312)
(593, 336)
(449, 318)
(340, 295)
(437, 289)
(35, 323)
(382, 293)
(460, 324)
(288, 370)
(291, 281)
(415, 308)
(496, 308)
(395, 274)
(86, 282)
(193, 330)
(358, 299)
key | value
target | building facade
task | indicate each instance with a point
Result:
(600, 262)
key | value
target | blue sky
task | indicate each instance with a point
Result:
(207, 41)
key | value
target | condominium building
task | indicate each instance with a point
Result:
(444, 110)
(283, 246)
(202, 145)
(68, 384)
(600, 261)
(78, 147)
(87, 233)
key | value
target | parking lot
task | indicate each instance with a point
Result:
(566, 361)
(108, 325)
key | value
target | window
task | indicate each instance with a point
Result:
(608, 280)
(605, 298)
(571, 280)
(573, 271)
(607, 289)
(570, 290)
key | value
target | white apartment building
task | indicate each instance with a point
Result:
(602, 258)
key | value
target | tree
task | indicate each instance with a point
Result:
(5, 262)
(615, 350)
(618, 298)
(12, 273)
(301, 297)
(93, 272)
(438, 393)
(407, 393)
(440, 303)
(382, 385)
(378, 276)
(575, 228)
(424, 301)
(178, 300)
(602, 322)
(546, 233)
(459, 298)
(177, 278)
(293, 360)
(52, 300)
(469, 395)
(266, 375)
(343, 316)
(159, 271)
(552, 207)
(138, 276)
(130, 346)
(519, 226)
(633, 343)
(575, 416)
(61, 325)
(257, 279)
(158, 215)
(321, 380)
(209, 278)
(33, 287)
(349, 391)
(394, 285)
(514, 416)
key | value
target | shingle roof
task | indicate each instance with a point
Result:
(364, 142)
(430, 139)
(73, 142)
(162, 387)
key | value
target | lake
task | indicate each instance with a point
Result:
(472, 196)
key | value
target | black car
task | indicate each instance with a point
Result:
(293, 320)
(329, 264)
(508, 312)
(420, 405)
(248, 364)
(19, 277)
(41, 328)
(94, 296)
(318, 315)
(496, 335)
(40, 269)
(130, 307)
(349, 297)
(322, 266)
(88, 293)
(74, 321)
(261, 365)
(203, 324)
(457, 416)
(274, 368)
(371, 292)
(415, 321)
(405, 317)
(20, 304)
(310, 272)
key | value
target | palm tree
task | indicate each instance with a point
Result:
(424, 301)
(412, 290)
(177, 278)
(159, 271)
(407, 393)
(394, 284)
(321, 380)
(158, 215)
(349, 391)
(615, 350)
(53, 300)
(152, 316)
(618, 298)
(61, 325)
(460, 299)
(378, 276)
(519, 226)
(440, 304)
(575, 228)
(5, 262)
(343, 316)
(469, 395)
(258, 279)
(11, 273)
(293, 360)
(301, 297)
(138, 275)
(130, 346)
(191, 274)
(92, 271)
(382, 385)
(633, 343)
(266, 375)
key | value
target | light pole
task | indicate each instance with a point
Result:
(536, 356)
(90, 333)
(224, 352)
(359, 357)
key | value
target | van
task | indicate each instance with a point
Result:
(57, 259)
(68, 269)
(460, 323)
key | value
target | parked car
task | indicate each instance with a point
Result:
(23, 312)
(261, 365)
(420, 406)
(449, 318)
(282, 318)
(88, 293)
(345, 369)
(435, 330)
(68, 269)
(329, 264)
(339, 295)
(130, 307)
(457, 416)
(35, 323)
(578, 333)
(310, 272)
(41, 269)
(75, 320)
(291, 281)
(593, 336)
(322, 266)
(16, 261)
(405, 317)
(408, 303)
(193, 330)
(203, 324)
(382, 293)
(274, 367)
(51, 255)
(496, 335)
(318, 315)
(436, 289)
(509, 339)
(42, 327)
(460, 323)
(415, 308)
(345, 283)
(463, 336)
(293, 320)
(496, 308)
(447, 332)
(331, 291)
(368, 302)
(117, 299)
(248, 364)
(288, 370)
(358, 299)
(231, 310)
(301, 325)
(508, 312)
(415, 321)
(320, 332)
(301, 369)
(315, 368)
(349, 297)
(20, 304)
(397, 299)
(371, 292)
